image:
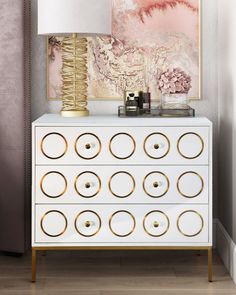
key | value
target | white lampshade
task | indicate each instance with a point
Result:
(74, 16)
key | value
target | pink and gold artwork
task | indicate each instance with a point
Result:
(149, 36)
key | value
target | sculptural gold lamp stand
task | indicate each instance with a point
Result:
(73, 17)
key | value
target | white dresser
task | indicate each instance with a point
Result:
(104, 182)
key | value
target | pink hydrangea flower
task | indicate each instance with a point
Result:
(174, 81)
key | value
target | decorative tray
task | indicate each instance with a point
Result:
(156, 112)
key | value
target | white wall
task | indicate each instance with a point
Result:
(227, 114)
(208, 106)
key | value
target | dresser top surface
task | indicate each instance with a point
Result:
(114, 120)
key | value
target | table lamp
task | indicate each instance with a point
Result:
(76, 19)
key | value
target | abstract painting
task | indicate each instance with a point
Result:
(149, 36)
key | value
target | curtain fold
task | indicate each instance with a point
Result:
(15, 56)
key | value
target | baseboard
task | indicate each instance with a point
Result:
(226, 248)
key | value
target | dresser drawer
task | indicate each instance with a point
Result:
(117, 145)
(121, 184)
(121, 224)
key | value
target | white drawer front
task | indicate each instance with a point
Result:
(121, 224)
(121, 184)
(116, 145)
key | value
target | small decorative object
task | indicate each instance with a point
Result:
(144, 102)
(131, 105)
(174, 86)
(59, 17)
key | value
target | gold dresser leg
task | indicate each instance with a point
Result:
(210, 265)
(33, 265)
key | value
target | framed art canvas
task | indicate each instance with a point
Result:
(149, 36)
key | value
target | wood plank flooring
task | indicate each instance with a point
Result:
(115, 273)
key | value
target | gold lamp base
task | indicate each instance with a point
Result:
(74, 76)
(74, 113)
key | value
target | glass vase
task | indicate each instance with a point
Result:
(174, 101)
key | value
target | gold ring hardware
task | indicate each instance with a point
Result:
(156, 224)
(201, 179)
(131, 154)
(132, 230)
(122, 172)
(87, 184)
(156, 146)
(42, 142)
(62, 232)
(42, 189)
(202, 221)
(88, 223)
(156, 183)
(178, 143)
(88, 146)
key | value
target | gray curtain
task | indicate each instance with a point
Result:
(14, 125)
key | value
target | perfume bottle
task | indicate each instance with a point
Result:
(145, 101)
(132, 105)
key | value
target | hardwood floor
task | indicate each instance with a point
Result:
(115, 273)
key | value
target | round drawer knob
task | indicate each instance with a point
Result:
(88, 146)
(156, 224)
(156, 145)
(155, 185)
(87, 185)
(88, 223)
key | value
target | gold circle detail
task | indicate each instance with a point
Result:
(88, 158)
(181, 137)
(168, 184)
(41, 184)
(146, 139)
(156, 211)
(99, 188)
(122, 172)
(54, 158)
(63, 231)
(131, 154)
(201, 190)
(88, 211)
(132, 230)
(190, 211)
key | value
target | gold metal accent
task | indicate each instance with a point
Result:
(34, 265)
(154, 172)
(156, 224)
(87, 223)
(88, 185)
(156, 146)
(199, 215)
(134, 144)
(74, 76)
(201, 190)
(181, 137)
(42, 189)
(88, 146)
(62, 232)
(132, 230)
(210, 265)
(99, 150)
(122, 172)
(146, 139)
(42, 150)
(155, 184)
